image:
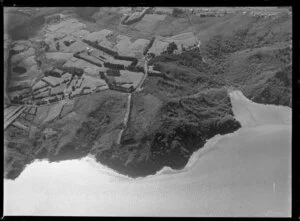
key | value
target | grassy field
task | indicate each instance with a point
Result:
(132, 78)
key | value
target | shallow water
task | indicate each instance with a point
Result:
(246, 173)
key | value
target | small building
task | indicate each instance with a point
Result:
(66, 77)
(101, 88)
(52, 81)
(49, 133)
(40, 84)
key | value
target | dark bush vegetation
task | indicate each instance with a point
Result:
(113, 72)
(73, 70)
(114, 66)
(171, 48)
(132, 21)
(27, 29)
(86, 12)
(177, 12)
(285, 76)
(19, 70)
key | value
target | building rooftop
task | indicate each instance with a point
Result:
(39, 85)
(58, 89)
(52, 81)
(42, 94)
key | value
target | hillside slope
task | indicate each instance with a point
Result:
(256, 57)
(178, 109)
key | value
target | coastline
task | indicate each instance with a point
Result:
(149, 169)
(242, 176)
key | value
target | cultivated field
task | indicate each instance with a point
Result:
(129, 78)
(54, 111)
(181, 40)
(149, 22)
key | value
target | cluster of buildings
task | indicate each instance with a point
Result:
(61, 83)
(58, 85)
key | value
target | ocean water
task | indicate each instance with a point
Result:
(246, 173)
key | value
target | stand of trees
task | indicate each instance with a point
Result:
(126, 22)
(171, 48)
(177, 12)
(86, 12)
(27, 29)
(114, 66)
